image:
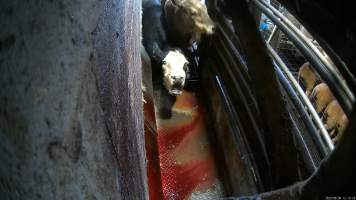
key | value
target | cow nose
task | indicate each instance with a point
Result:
(177, 78)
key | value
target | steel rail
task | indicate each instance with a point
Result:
(303, 113)
(304, 98)
(328, 65)
(336, 60)
(338, 86)
(272, 34)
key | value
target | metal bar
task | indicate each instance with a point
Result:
(272, 34)
(296, 30)
(237, 54)
(233, 74)
(340, 64)
(350, 79)
(302, 112)
(331, 178)
(273, 110)
(240, 140)
(343, 94)
(304, 98)
(311, 165)
(310, 45)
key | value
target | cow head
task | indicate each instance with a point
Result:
(188, 20)
(174, 66)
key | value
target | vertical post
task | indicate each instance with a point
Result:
(117, 40)
(279, 139)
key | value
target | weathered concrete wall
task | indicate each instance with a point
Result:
(70, 101)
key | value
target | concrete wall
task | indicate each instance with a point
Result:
(70, 100)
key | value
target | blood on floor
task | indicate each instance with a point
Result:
(188, 168)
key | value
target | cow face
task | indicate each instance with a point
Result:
(174, 68)
(307, 78)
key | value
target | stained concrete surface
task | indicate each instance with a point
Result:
(70, 100)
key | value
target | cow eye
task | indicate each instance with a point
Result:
(164, 62)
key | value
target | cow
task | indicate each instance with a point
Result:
(169, 64)
(331, 117)
(187, 21)
(320, 97)
(307, 78)
(340, 128)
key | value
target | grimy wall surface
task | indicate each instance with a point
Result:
(70, 100)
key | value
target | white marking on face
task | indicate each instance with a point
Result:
(173, 71)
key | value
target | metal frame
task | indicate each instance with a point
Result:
(303, 97)
(327, 179)
(240, 94)
(243, 147)
(303, 113)
(279, 138)
(341, 91)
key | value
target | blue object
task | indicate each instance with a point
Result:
(263, 26)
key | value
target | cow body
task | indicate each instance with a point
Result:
(321, 96)
(340, 128)
(187, 21)
(307, 77)
(332, 115)
(160, 50)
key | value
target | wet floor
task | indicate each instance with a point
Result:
(187, 165)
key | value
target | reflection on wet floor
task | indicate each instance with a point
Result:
(188, 168)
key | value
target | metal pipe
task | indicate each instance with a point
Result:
(297, 103)
(240, 140)
(272, 34)
(235, 52)
(304, 98)
(296, 30)
(267, 92)
(344, 70)
(340, 65)
(343, 94)
(311, 165)
(310, 45)
(236, 72)
(302, 112)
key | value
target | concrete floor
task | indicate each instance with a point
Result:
(188, 167)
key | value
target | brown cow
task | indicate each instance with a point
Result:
(340, 128)
(187, 21)
(321, 97)
(307, 77)
(332, 115)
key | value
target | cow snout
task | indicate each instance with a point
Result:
(177, 80)
(177, 86)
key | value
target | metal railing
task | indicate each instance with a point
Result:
(319, 124)
(327, 72)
